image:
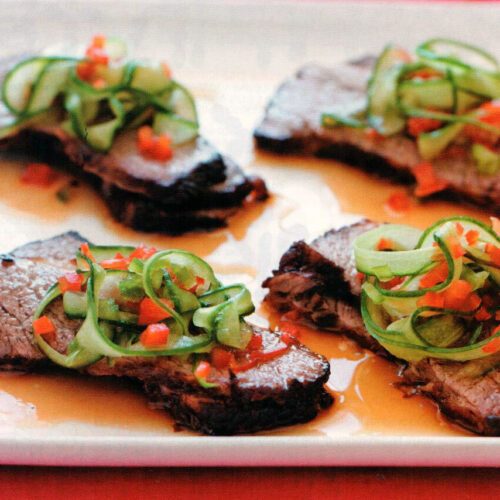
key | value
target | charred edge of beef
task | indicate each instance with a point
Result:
(143, 214)
(200, 200)
(298, 286)
(217, 183)
(241, 414)
(282, 391)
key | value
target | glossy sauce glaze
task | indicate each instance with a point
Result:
(309, 197)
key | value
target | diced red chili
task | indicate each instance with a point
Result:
(436, 275)
(394, 282)
(150, 312)
(71, 282)
(85, 70)
(425, 74)
(494, 252)
(385, 244)
(143, 252)
(427, 182)
(398, 202)
(431, 299)
(202, 370)
(97, 55)
(416, 125)
(162, 150)
(482, 314)
(99, 41)
(84, 248)
(39, 174)
(199, 282)
(472, 237)
(493, 345)
(166, 70)
(155, 335)
(43, 326)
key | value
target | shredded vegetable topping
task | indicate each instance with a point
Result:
(446, 93)
(95, 97)
(140, 302)
(434, 293)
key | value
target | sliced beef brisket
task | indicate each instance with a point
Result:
(198, 189)
(282, 391)
(292, 125)
(318, 282)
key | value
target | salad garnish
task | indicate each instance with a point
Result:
(432, 293)
(97, 96)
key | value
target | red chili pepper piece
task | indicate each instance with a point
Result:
(150, 312)
(143, 252)
(43, 326)
(427, 182)
(494, 252)
(360, 276)
(398, 202)
(435, 276)
(166, 69)
(385, 244)
(394, 282)
(99, 41)
(39, 174)
(490, 114)
(155, 335)
(71, 282)
(493, 345)
(482, 314)
(115, 263)
(155, 147)
(431, 299)
(199, 282)
(202, 370)
(84, 248)
(417, 125)
(97, 55)
(85, 70)
(472, 237)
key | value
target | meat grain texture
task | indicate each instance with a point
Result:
(291, 125)
(318, 281)
(283, 391)
(197, 190)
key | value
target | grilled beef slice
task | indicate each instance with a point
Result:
(318, 282)
(282, 391)
(292, 125)
(198, 189)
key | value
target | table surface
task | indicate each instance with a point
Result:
(244, 483)
(247, 483)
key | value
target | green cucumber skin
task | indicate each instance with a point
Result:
(32, 97)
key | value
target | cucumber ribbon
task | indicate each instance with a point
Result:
(48, 90)
(196, 319)
(394, 317)
(462, 78)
